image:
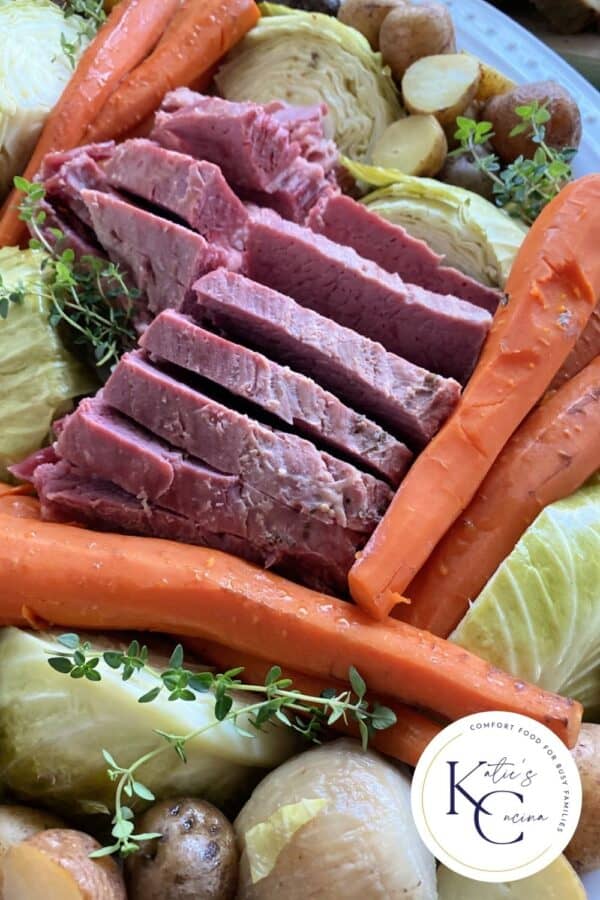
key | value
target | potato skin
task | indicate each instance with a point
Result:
(17, 823)
(367, 16)
(462, 172)
(563, 129)
(195, 859)
(410, 32)
(584, 850)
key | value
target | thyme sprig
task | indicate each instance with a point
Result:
(525, 186)
(89, 296)
(90, 16)
(303, 713)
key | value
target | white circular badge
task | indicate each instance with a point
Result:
(496, 796)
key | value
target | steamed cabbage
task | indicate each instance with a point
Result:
(539, 616)
(38, 376)
(53, 729)
(470, 232)
(309, 58)
(34, 70)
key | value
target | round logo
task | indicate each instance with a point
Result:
(496, 796)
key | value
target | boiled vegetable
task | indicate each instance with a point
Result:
(38, 376)
(195, 857)
(557, 881)
(416, 146)
(539, 616)
(53, 728)
(584, 849)
(562, 130)
(307, 58)
(552, 291)
(31, 31)
(367, 16)
(340, 791)
(125, 39)
(412, 32)
(57, 864)
(471, 233)
(553, 452)
(442, 85)
(138, 583)
(17, 823)
(464, 173)
(492, 83)
(584, 352)
(199, 34)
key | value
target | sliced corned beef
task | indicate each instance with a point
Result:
(307, 125)
(103, 444)
(68, 495)
(75, 234)
(284, 466)
(343, 220)
(409, 400)
(193, 190)
(440, 333)
(288, 395)
(66, 173)
(162, 258)
(302, 187)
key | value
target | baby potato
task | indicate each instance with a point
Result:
(17, 823)
(584, 849)
(409, 33)
(367, 16)
(562, 130)
(463, 173)
(493, 83)
(195, 859)
(415, 145)
(443, 86)
(56, 863)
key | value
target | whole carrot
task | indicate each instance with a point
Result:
(585, 350)
(81, 579)
(127, 36)
(554, 451)
(199, 35)
(553, 288)
(405, 740)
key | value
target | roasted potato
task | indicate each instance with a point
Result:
(442, 86)
(584, 849)
(563, 129)
(462, 172)
(416, 146)
(195, 859)
(409, 33)
(367, 16)
(56, 863)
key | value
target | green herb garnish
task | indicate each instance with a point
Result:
(303, 713)
(525, 186)
(89, 296)
(91, 16)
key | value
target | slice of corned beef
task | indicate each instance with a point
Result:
(343, 220)
(252, 148)
(284, 466)
(193, 190)
(74, 233)
(303, 185)
(409, 400)
(440, 333)
(103, 444)
(67, 494)
(307, 126)
(162, 258)
(288, 395)
(66, 173)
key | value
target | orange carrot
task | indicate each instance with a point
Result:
(553, 289)
(86, 580)
(199, 35)
(554, 451)
(125, 39)
(405, 740)
(585, 350)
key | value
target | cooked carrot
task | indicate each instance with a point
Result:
(405, 740)
(553, 452)
(553, 288)
(80, 579)
(199, 35)
(125, 39)
(585, 350)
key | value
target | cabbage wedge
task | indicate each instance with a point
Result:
(470, 232)
(539, 615)
(310, 58)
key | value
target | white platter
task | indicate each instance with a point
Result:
(501, 42)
